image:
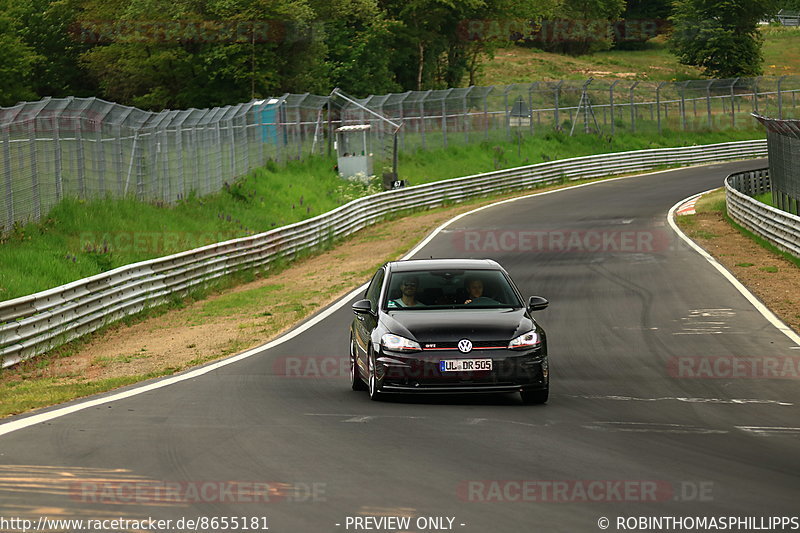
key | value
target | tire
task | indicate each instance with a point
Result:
(535, 397)
(356, 383)
(374, 390)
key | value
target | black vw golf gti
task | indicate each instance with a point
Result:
(447, 326)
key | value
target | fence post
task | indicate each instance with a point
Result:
(37, 199)
(557, 92)
(658, 103)
(683, 105)
(80, 160)
(507, 115)
(465, 119)
(57, 158)
(486, 112)
(633, 108)
(611, 104)
(101, 159)
(755, 94)
(530, 107)
(444, 118)
(422, 117)
(708, 103)
(7, 178)
(780, 97)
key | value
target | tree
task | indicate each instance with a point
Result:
(719, 36)
(582, 26)
(204, 53)
(45, 26)
(641, 21)
(16, 62)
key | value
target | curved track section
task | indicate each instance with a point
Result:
(653, 410)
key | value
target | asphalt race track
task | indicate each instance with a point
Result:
(652, 411)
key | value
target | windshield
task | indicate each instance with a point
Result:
(450, 289)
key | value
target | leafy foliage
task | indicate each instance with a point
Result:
(719, 36)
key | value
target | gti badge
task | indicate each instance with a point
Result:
(464, 346)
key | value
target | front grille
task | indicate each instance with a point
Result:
(476, 345)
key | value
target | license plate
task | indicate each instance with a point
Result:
(465, 365)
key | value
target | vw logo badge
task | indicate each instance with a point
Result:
(464, 346)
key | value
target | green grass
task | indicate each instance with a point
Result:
(83, 238)
(516, 64)
(23, 396)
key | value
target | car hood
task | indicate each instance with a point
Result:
(451, 325)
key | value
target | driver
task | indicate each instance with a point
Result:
(475, 293)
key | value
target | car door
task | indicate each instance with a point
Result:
(365, 323)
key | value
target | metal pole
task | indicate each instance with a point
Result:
(344, 97)
(37, 199)
(465, 120)
(555, 113)
(658, 103)
(633, 108)
(780, 98)
(733, 103)
(444, 119)
(530, 107)
(422, 117)
(755, 94)
(587, 106)
(486, 112)
(7, 179)
(80, 159)
(683, 105)
(57, 160)
(708, 103)
(508, 117)
(611, 102)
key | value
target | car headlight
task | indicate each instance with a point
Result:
(396, 343)
(525, 341)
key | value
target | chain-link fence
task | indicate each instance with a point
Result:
(88, 148)
(783, 144)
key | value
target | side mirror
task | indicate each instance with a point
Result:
(537, 303)
(362, 307)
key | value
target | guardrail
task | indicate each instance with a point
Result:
(778, 227)
(33, 324)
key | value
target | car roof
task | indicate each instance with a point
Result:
(443, 264)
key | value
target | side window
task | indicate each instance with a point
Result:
(374, 289)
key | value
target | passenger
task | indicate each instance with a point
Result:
(408, 294)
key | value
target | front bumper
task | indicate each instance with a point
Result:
(512, 371)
